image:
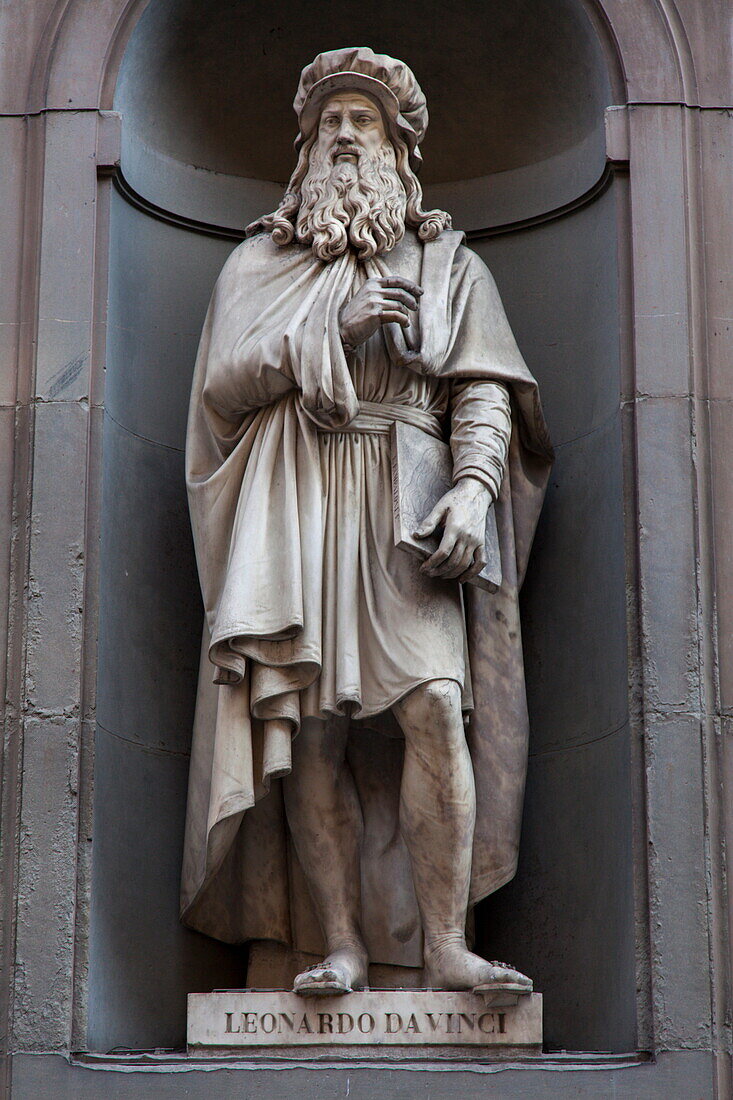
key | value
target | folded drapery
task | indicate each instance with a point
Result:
(271, 372)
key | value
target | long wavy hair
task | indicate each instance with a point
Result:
(330, 208)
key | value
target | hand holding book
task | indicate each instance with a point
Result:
(462, 514)
(424, 500)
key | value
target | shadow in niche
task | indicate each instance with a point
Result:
(205, 92)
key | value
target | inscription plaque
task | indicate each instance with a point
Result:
(401, 1017)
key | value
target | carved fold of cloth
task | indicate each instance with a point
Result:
(310, 608)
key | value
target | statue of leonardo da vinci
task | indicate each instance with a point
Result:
(360, 742)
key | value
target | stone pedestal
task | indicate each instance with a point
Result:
(370, 1021)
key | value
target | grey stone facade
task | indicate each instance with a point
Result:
(595, 181)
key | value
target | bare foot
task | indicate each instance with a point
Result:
(450, 965)
(342, 971)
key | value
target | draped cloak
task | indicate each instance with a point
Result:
(271, 370)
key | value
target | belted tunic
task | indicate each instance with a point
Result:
(311, 609)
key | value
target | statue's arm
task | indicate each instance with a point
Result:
(481, 426)
(253, 342)
(248, 372)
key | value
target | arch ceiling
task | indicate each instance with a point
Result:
(508, 84)
(80, 50)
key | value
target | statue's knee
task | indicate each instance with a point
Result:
(436, 706)
(440, 693)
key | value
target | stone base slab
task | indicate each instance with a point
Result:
(226, 1022)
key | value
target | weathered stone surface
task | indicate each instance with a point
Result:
(56, 577)
(67, 258)
(395, 1017)
(716, 132)
(667, 553)
(679, 1075)
(660, 295)
(7, 447)
(12, 149)
(679, 894)
(46, 885)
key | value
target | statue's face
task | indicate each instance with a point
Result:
(352, 194)
(350, 124)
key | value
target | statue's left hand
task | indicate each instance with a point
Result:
(462, 511)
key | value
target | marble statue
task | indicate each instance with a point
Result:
(360, 740)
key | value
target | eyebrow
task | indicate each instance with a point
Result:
(330, 112)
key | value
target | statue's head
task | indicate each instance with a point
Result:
(362, 116)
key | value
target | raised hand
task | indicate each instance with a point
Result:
(380, 301)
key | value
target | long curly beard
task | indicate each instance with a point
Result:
(359, 205)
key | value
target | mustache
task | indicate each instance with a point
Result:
(350, 150)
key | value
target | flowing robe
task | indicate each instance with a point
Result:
(310, 609)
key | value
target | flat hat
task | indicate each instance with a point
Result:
(357, 68)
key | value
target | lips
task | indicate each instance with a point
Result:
(346, 151)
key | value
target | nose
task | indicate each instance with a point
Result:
(346, 132)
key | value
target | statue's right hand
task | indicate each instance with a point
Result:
(378, 302)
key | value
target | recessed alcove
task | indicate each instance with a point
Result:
(516, 91)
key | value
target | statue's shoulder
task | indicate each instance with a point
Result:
(252, 250)
(470, 262)
(257, 256)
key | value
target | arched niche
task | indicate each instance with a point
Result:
(208, 113)
(515, 150)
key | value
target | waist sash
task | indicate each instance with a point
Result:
(376, 418)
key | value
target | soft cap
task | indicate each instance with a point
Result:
(357, 68)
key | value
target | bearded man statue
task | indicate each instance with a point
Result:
(360, 741)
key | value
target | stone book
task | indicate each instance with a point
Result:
(422, 470)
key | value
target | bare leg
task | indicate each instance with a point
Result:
(325, 823)
(437, 816)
